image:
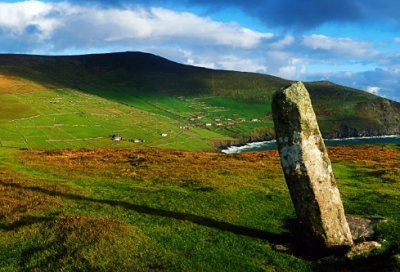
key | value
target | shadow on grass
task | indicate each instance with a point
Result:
(199, 220)
(26, 221)
(384, 262)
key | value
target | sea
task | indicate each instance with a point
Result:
(271, 145)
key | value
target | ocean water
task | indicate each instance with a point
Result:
(270, 145)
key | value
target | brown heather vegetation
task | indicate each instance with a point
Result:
(16, 85)
(319, 110)
(176, 166)
(162, 166)
(15, 202)
(364, 154)
(31, 217)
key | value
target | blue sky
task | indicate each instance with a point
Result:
(350, 42)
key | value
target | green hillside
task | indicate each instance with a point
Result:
(80, 101)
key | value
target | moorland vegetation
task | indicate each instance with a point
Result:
(103, 210)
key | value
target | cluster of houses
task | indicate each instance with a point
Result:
(193, 118)
(186, 126)
(218, 122)
(117, 138)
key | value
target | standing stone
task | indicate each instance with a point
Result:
(308, 173)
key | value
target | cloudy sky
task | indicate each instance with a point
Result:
(350, 42)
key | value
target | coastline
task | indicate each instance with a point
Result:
(236, 148)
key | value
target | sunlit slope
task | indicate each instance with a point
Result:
(233, 104)
(72, 119)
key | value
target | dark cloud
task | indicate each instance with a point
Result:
(294, 14)
(286, 14)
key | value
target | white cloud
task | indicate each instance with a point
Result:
(16, 17)
(396, 40)
(288, 40)
(210, 65)
(341, 46)
(94, 25)
(289, 72)
(373, 90)
(213, 59)
(241, 64)
(163, 23)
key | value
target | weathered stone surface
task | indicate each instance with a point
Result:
(308, 173)
(362, 248)
(362, 229)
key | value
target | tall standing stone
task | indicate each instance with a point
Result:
(308, 173)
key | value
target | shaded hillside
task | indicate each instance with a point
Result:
(130, 69)
(194, 96)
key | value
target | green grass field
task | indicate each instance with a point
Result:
(64, 116)
(99, 210)
(13, 108)
(242, 109)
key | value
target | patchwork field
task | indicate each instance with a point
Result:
(122, 92)
(74, 119)
(102, 210)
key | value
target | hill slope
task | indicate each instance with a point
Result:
(161, 96)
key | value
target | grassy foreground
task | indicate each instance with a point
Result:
(106, 210)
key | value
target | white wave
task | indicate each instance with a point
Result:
(238, 149)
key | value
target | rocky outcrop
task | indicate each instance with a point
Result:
(362, 229)
(361, 248)
(378, 117)
(308, 173)
(364, 238)
(344, 131)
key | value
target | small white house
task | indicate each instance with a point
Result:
(208, 124)
(117, 137)
(217, 120)
(164, 134)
